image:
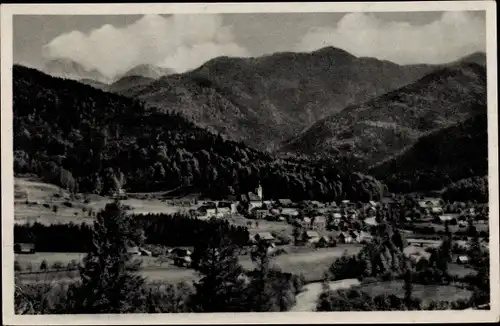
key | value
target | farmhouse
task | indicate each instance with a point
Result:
(24, 248)
(145, 252)
(284, 202)
(267, 204)
(336, 218)
(345, 203)
(318, 223)
(134, 251)
(317, 204)
(462, 259)
(183, 261)
(447, 218)
(424, 242)
(311, 236)
(305, 222)
(264, 237)
(324, 241)
(345, 237)
(363, 237)
(259, 213)
(417, 255)
(225, 208)
(432, 205)
(206, 211)
(371, 221)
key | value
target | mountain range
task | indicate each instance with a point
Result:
(266, 100)
(69, 69)
(326, 104)
(381, 127)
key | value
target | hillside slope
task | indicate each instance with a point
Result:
(440, 158)
(268, 99)
(88, 140)
(382, 127)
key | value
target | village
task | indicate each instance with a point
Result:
(303, 237)
(314, 224)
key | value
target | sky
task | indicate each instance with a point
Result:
(115, 44)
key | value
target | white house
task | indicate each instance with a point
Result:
(345, 237)
(462, 259)
(291, 212)
(311, 236)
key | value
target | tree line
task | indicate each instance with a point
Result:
(169, 230)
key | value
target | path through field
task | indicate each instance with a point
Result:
(306, 300)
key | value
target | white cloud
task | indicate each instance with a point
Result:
(180, 42)
(454, 35)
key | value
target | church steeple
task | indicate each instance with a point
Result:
(259, 191)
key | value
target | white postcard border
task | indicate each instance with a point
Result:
(9, 318)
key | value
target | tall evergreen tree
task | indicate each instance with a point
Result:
(109, 283)
(221, 287)
(479, 258)
(261, 292)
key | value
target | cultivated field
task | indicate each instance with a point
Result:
(426, 293)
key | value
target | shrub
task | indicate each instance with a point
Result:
(57, 265)
(17, 266)
(43, 265)
(68, 204)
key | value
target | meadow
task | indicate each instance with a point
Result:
(426, 293)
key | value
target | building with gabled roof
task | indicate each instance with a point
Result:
(311, 236)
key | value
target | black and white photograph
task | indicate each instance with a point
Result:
(202, 160)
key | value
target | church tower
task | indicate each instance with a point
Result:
(259, 191)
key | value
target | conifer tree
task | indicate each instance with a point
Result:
(109, 283)
(221, 286)
(261, 292)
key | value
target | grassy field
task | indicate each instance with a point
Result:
(168, 274)
(453, 228)
(426, 293)
(35, 201)
(312, 263)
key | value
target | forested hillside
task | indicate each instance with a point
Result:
(384, 126)
(85, 139)
(266, 100)
(440, 158)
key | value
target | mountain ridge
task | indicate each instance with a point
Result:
(387, 124)
(266, 100)
(439, 158)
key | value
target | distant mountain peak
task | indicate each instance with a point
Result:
(333, 51)
(478, 57)
(148, 71)
(70, 69)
